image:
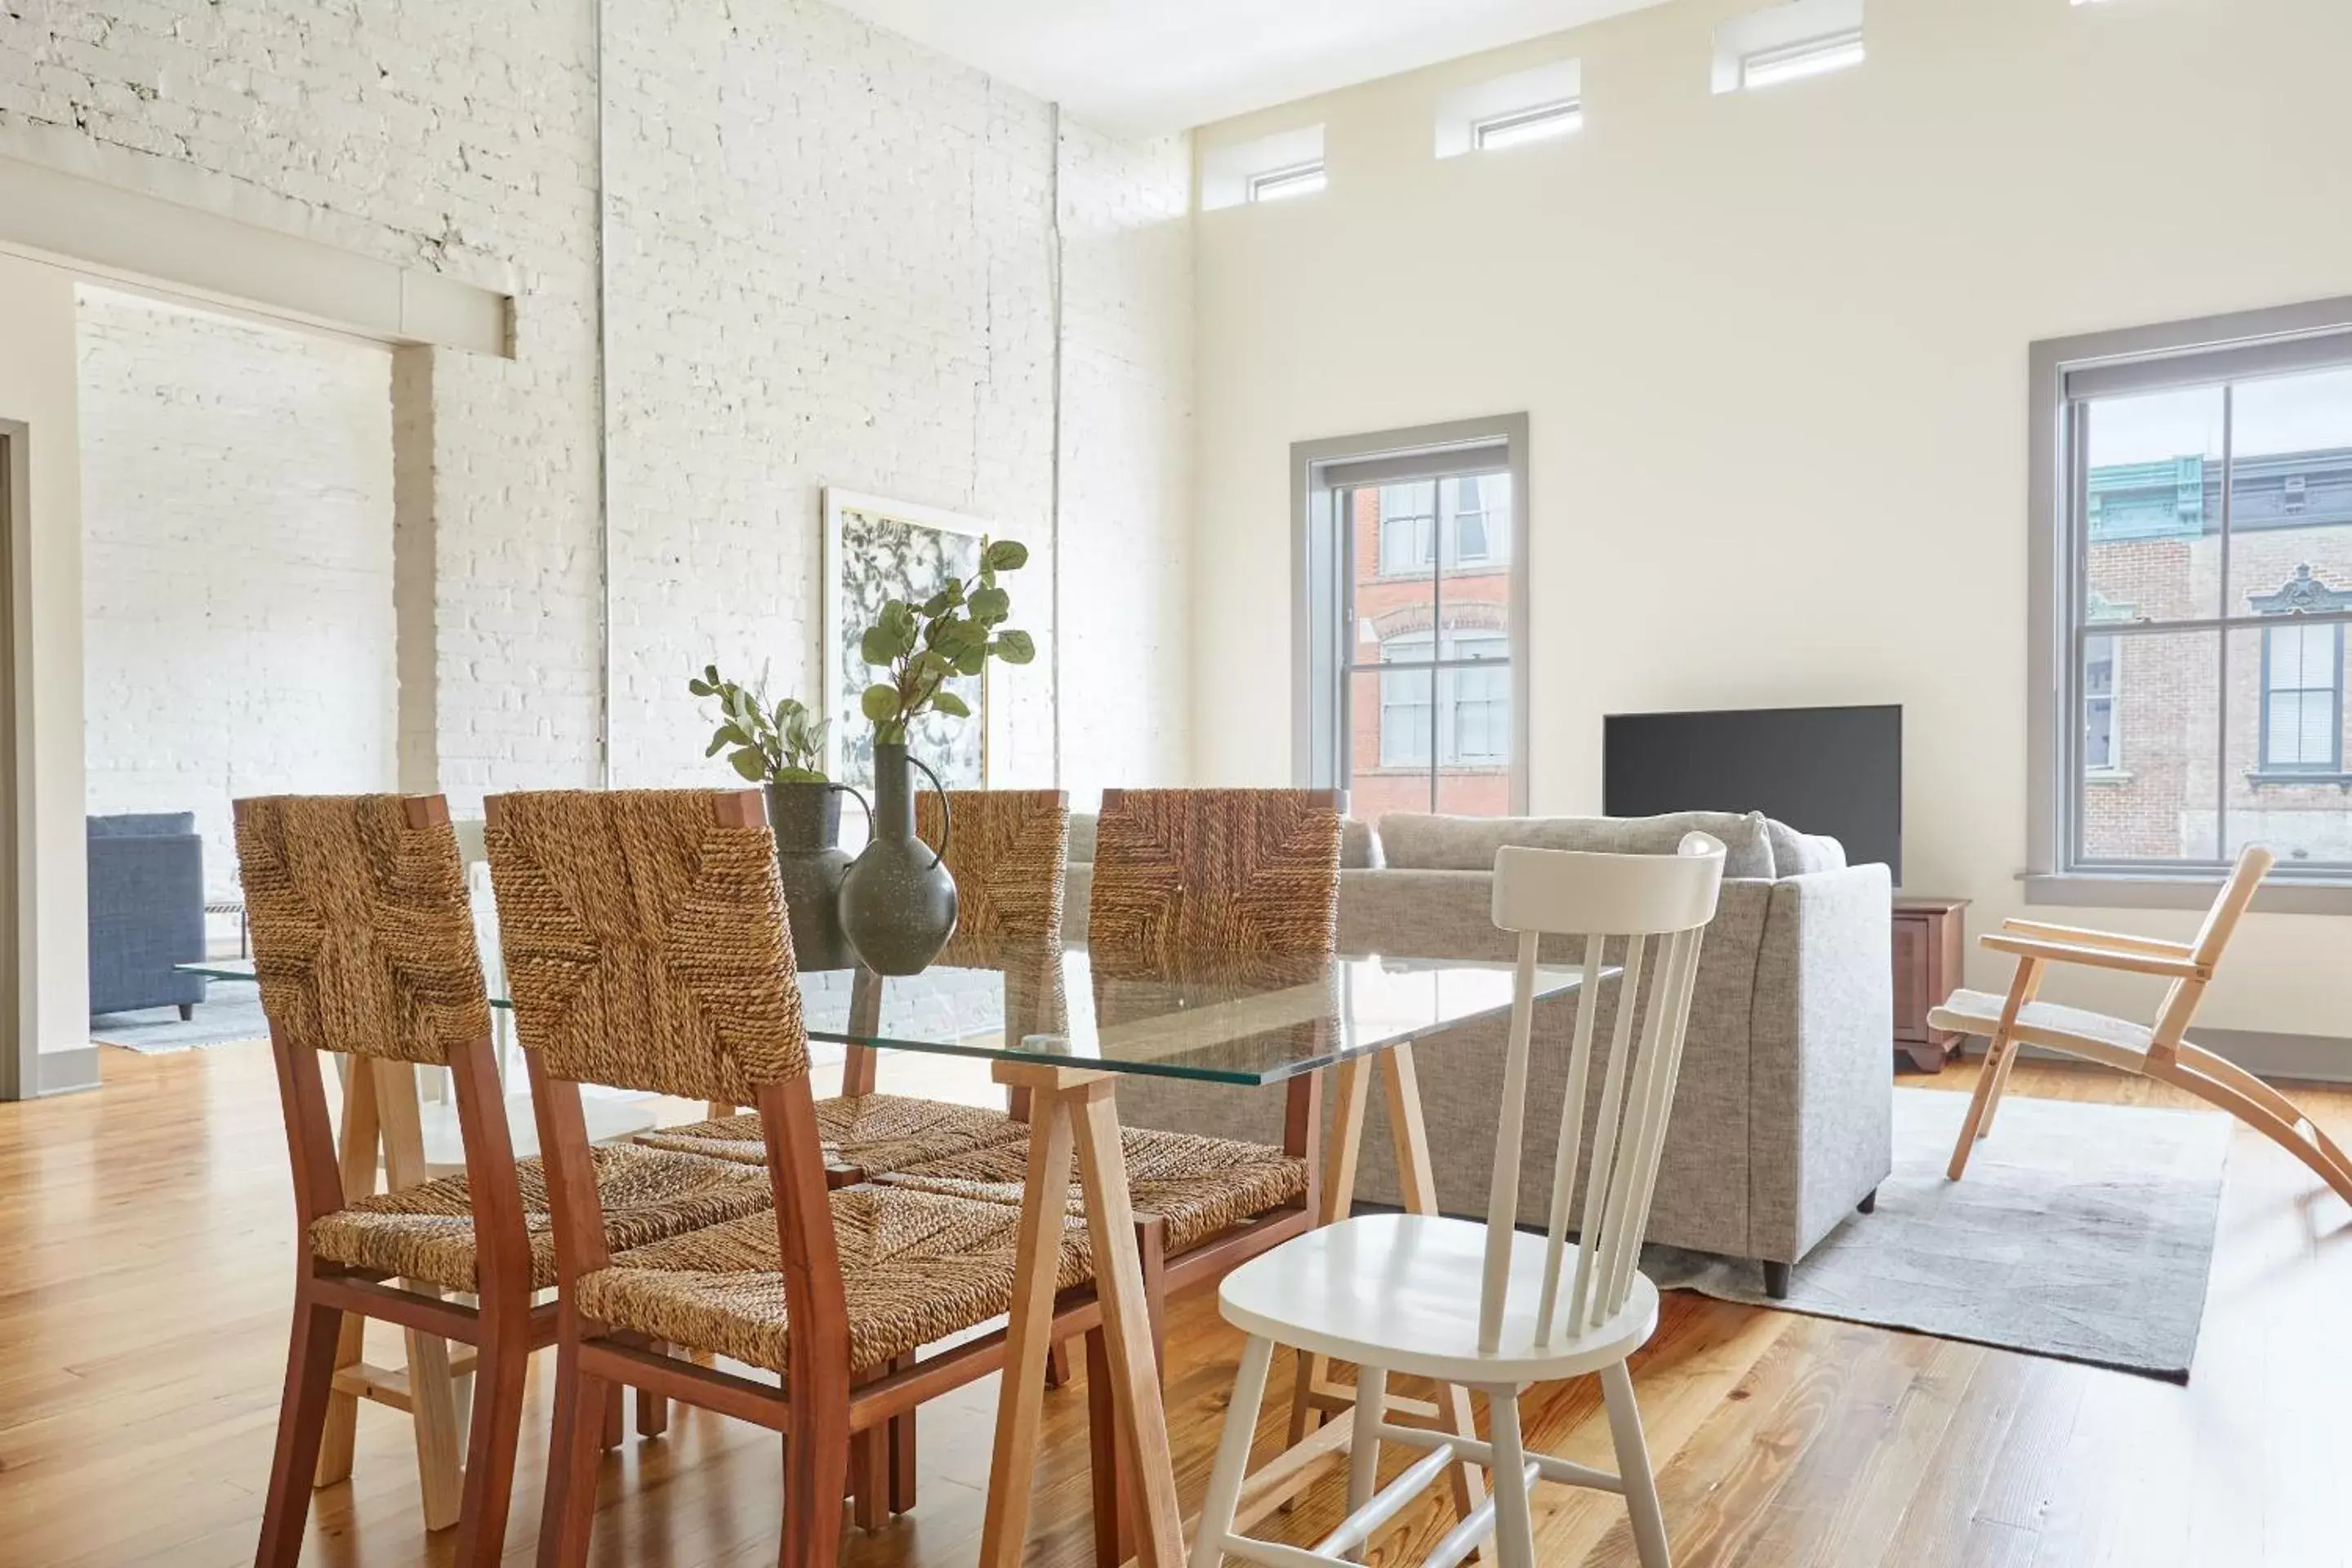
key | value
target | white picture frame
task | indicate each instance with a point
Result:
(856, 578)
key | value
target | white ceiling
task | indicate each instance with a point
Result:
(1147, 67)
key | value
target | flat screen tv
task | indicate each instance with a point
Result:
(1836, 771)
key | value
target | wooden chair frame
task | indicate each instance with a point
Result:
(2169, 1057)
(822, 1406)
(503, 1327)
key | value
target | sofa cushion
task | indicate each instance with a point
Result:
(1359, 844)
(1796, 853)
(1468, 843)
(143, 825)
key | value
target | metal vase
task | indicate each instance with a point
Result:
(811, 864)
(898, 903)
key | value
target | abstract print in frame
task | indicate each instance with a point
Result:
(875, 551)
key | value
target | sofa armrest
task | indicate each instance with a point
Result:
(1821, 1078)
(146, 914)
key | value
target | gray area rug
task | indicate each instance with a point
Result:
(230, 1014)
(2083, 1232)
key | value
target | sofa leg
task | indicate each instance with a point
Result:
(1869, 1204)
(1776, 1281)
(187, 1012)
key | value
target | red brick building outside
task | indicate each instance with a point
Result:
(2196, 743)
(1429, 695)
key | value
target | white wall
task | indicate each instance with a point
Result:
(237, 565)
(37, 389)
(834, 265)
(1127, 463)
(1773, 350)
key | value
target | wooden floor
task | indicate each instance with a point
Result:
(145, 1269)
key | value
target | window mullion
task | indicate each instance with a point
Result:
(1436, 627)
(2221, 682)
(2078, 527)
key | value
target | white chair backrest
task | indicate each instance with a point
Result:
(1660, 906)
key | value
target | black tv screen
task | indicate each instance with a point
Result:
(1834, 771)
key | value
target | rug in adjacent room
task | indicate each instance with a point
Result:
(2080, 1231)
(230, 1014)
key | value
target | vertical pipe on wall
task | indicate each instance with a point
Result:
(1053, 525)
(604, 421)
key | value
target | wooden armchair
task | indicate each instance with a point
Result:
(2157, 1051)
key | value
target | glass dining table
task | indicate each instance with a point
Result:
(1060, 1025)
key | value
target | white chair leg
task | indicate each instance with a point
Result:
(1364, 1443)
(1633, 1464)
(1224, 1497)
(1515, 1525)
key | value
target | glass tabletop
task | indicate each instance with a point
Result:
(1244, 1021)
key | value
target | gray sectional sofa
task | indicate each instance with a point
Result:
(1783, 1116)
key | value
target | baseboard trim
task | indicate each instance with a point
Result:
(67, 1072)
(2267, 1053)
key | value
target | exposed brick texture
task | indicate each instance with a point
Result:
(237, 563)
(831, 262)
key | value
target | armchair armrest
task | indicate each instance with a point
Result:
(2095, 957)
(2078, 937)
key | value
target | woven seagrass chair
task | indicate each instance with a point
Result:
(646, 949)
(1186, 881)
(1007, 853)
(364, 946)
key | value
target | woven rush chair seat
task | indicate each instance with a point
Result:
(1198, 1187)
(426, 1232)
(917, 1267)
(872, 1132)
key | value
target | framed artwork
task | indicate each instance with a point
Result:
(876, 550)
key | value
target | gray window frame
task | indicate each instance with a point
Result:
(1320, 706)
(2063, 374)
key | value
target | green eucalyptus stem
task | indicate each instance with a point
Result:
(953, 633)
(765, 744)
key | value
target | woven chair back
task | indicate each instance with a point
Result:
(644, 939)
(1008, 851)
(1181, 872)
(363, 940)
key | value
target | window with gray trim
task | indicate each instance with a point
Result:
(2205, 579)
(1413, 682)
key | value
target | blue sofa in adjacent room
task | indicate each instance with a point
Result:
(146, 912)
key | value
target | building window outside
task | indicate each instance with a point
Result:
(2303, 698)
(1413, 691)
(1462, 706)
(2208, 496)
(2099, 753)
(1469, 515)
(1406, 702)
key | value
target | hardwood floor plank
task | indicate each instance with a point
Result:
(145, 1269)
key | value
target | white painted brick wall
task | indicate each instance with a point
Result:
(236, 564)
(1127, 461)
(459, 138)
(834, 267)
(831, 264)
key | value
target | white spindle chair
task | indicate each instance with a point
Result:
(1387, 1292)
